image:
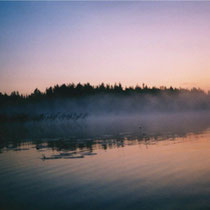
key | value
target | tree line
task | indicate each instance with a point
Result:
(82, 90)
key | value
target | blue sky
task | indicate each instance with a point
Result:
(157, 43)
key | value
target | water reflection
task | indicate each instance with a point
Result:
(77, 140)
(117, 165)
(68, 155)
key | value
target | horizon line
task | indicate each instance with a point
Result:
(142, 86)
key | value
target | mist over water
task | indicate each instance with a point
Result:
(106, 152)
(127, 162)
(113, 125)
(104, 146)
(101, 100)
(116, 105)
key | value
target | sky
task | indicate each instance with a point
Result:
(156, 43)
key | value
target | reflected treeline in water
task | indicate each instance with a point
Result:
(77, 117)
(22, 117)
(99, 132)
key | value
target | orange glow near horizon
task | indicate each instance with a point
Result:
(156, 43)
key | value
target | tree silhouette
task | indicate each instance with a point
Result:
(70, 91)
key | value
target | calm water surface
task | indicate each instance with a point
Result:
(156, 172)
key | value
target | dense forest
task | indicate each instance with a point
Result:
(82, 90)
(103, 99)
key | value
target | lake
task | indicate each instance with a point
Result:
(156, 162)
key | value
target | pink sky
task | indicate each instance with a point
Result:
(156, 43)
